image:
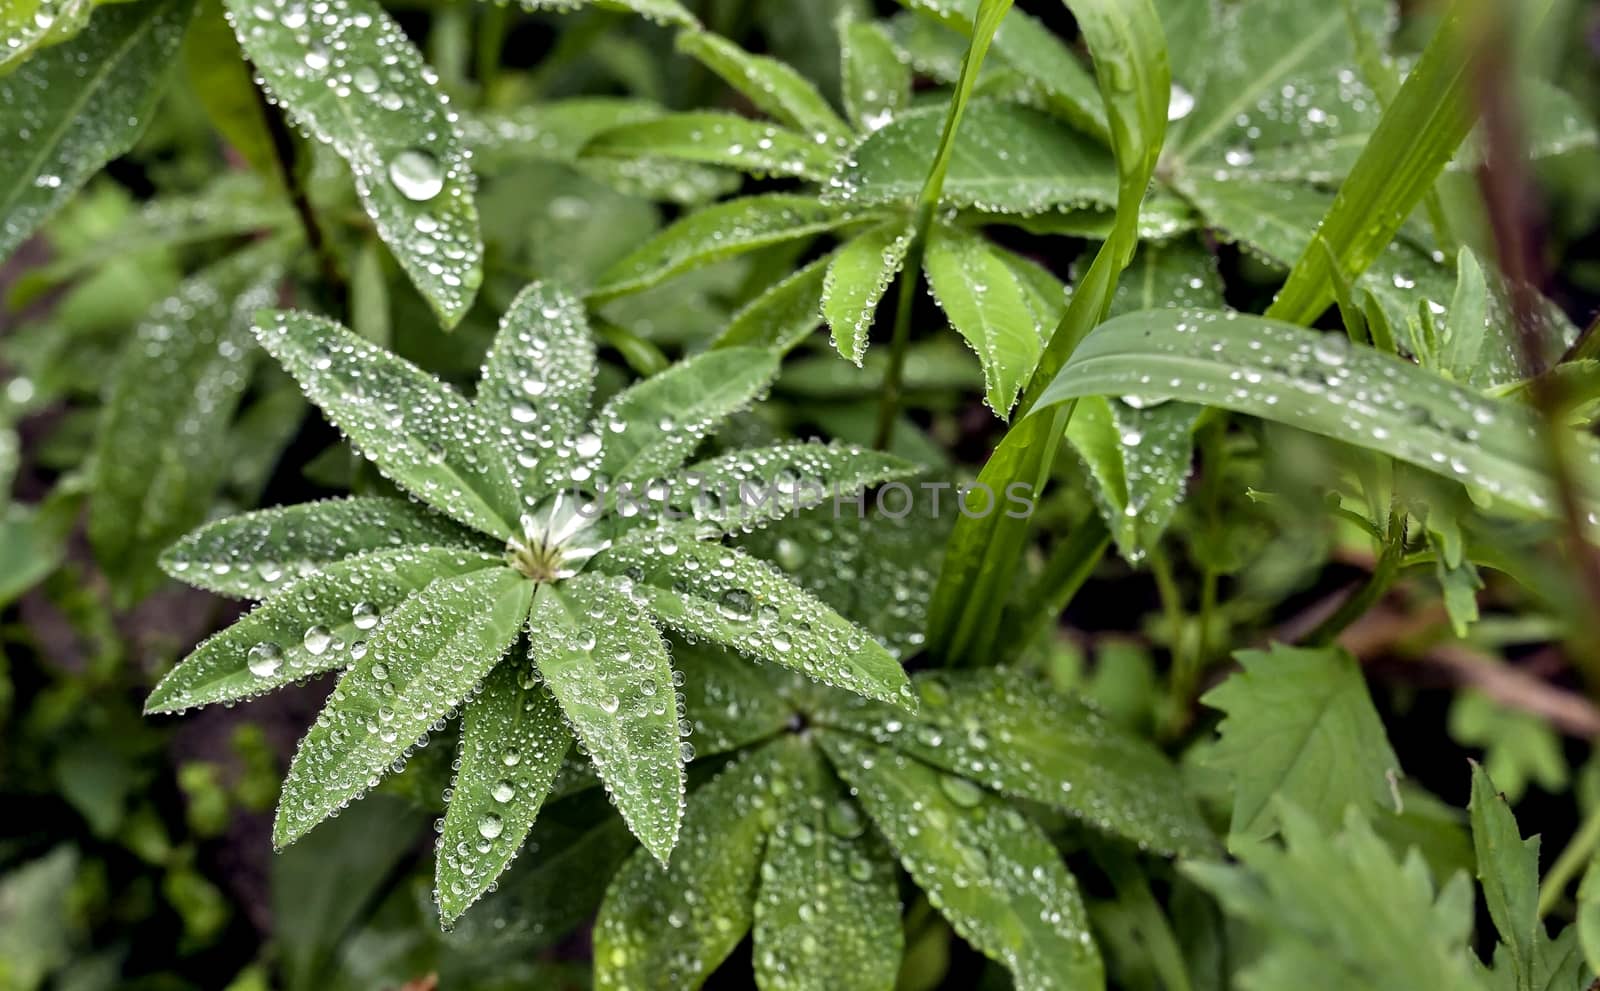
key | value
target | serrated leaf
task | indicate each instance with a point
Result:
(1406, 412)
(1014, 161)
(388, 123)
(311, 625)
(1300, 727)
(718, 232)
(858, 276)
(162, 448)
(1015, 736)
(668, 928)
(724, 595)
(1508, 870)
(538, 377)
(782, 316)
(256, 555)
(988, 307)
(72, 108)
(773, 87)
(654, 426)
(422, 434)
(715, 138)
(876, 80)
(987, 869)
(752, 486)
(420, 664)
(827, 909)
(729, 702)
(611, 675)
(512, 743)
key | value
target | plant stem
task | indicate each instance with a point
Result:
(1577, 853)
(283, 150)
(1383, 575)
(905, 297)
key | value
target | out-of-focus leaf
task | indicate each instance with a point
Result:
(772, 86)
(877, 82)
(219, 78)
(715, 138)
(36, 918)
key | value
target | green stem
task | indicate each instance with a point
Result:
(1578, 853)
(906, 288)
(492, 27)
(1383, 575)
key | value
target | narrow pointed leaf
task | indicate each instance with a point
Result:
(419, 665)
(729, 702)
(752, 486)
(1468, 311)
(1508, 869)
(652, 428)
(668, 12)
(773, 87)
(256, 555)
(857, 278)
(667, 928)
(512, 743)
(718, 232)
(724, 595)
(715, 138)
(784, 315)
(988, 307)
(420, 432)
(827, 913)
(73, 107)
(611, 675)
(388, 122)
(877, 82)
(990, 871)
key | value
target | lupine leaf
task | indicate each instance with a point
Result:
(421, 434)
(512, 743)
(1300, 727)
(162, 448)
(28, 25)
(729, 702)
(877, 82)
(772, 86)
(72, 108)
(857, 278)
(389, 123)
(1014, 161)
(256, 555)
(990, 871)
(827, 908)
(724, 595)
(782, 316)
(755, 485)
(651, 428)
(611, 675)
(1015, 736)
(716, 138)
(669, 12)
(420, 664)
(668, 928)
(988, 307)
(718, 232)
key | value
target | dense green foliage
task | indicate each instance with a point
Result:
(816, 496)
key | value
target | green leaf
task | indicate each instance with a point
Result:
(318, 623)
(1015, 736)
(74, 107)
(1519, 748)
(990, 871)
(1408, 413)
(1463, 340)
(877, 82)
(219, 77)
(1299, 727)
(751, 486)
(827, 912)
(161, 451)
(419, 665)
(512, 743)
(36, 917)
(988, 307)
(729, 702)
(771, 86)
(611, 675)
(716, 138)
(256, 555)
(717, 232)
(724, 595)
(652, 427)
(556, 131)
(1508, 870)
(388, 122)
(667, 12)
(668, 928)
(782, 316)
(1014, 161)
(420, 432)
(857, 278)
(1588, 922)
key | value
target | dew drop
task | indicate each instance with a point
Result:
(416, 174)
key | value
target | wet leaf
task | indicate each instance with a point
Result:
(715, 138)
(988, 307)
(354, 81)
(669, 12)
(782, 316)
(419, 666)
(730, 702)
(756, 485)
(858, 276)
(772, 86)
(877, 81)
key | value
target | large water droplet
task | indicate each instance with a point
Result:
(416, 174)
(264, 659)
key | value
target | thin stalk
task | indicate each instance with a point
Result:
(1383, 575)
(905, 298)
(493, 24)
(283, 150)
(1576, 855)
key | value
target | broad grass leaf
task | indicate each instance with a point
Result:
(611, 674)
(420, 664)
(773, 87)
(876, 81)
(716, 138)
(784, 315)
(513, 740)
(990, 871)
(858, 276)
(390, 125)
(258, 554)
(422, 434)
(71, 108)
(988, 307)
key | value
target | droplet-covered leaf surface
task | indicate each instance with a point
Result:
(987, 306)
(857, 278)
